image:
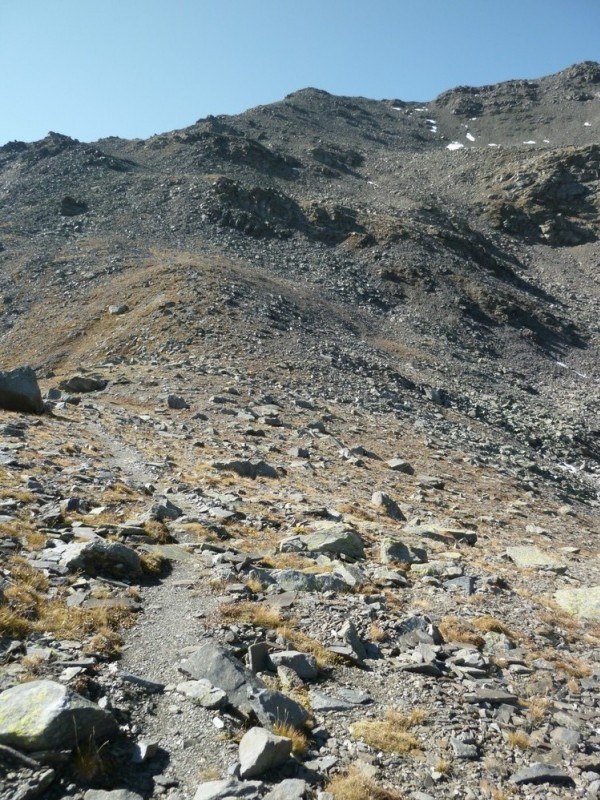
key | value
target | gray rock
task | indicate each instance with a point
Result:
(114, 794)
(289, 789)
(399, 465)
(260, 750)
(272, 707)
(117, 310)
(258, 657)
(336, 539)
(228, 789)
(395, 550)
(542, 773)
(565, 739)
(533, 557)
(19, 391)
(384, 501)
(245, 691)
(247, 469)
(101, 556)
(82, 384)
(464, 749)
(492, 696)
(351, 574)
(355, 696)
(45, 715)
(305, 666)
(320, 701)
(349, 634)
(203, 693)
(176, 402)
(162, 510)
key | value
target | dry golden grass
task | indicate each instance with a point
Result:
(152, 563)
(28, 609)
(391, 734)
(23, 573)
(254, 585)
(488, 624)
(377, 633)
(20, 495)
(106, 642)
(354, 785)
(537, 708)
(157, 532)
(570, 665)
(90, 763)
(288, 561)
(306, 644)
(454, 629)
(518, 740)
(443, 766)
(298, 738)
(258, 614)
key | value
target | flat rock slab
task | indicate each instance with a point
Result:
(529, 556)
(289, 789)
(203, 693)
(228, 789)
(584, 603)
(114, 794)
(247, 469)
(542, 773)
(45, 715)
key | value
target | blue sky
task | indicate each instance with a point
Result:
(132, 68)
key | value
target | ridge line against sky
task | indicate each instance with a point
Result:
(133, 68)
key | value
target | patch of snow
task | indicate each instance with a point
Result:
(397, 108)
(546, 141)
(422, 109)
(587, 124)
(473, 119)
(372, 183)
(470, 137)
(454, 146)
(531, 141)
(431, 121)
(492, 144)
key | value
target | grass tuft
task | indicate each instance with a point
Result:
(258, 614)
(299, 738)
(354, 785)
(391, 734)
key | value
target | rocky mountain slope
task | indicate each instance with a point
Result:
(323, 432)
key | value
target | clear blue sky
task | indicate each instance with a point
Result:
(132, 68)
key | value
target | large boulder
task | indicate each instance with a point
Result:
(245, 691)
(45, 715)
(335, 539)
(19, 391)
(101, 556)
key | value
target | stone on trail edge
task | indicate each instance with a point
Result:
(228, 789)
(44, 715)
(245, 691)
(260, 750)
